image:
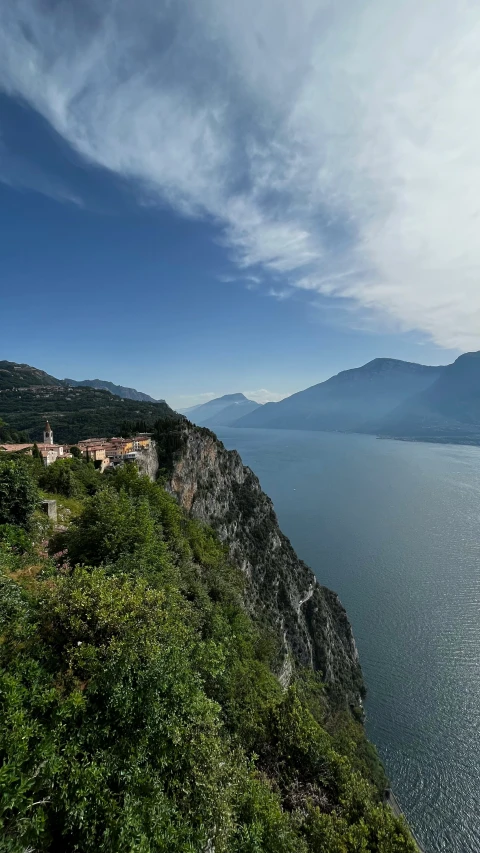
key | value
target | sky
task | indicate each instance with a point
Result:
(206, 198)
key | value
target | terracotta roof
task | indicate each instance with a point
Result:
(14, 448)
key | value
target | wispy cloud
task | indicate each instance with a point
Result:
(262, 395)
(20, 173)
(334, 144)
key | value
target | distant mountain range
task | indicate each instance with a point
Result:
(386, 397)
(118, 390)
(222, 411)
(352, 400)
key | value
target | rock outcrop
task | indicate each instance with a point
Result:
(214, 486)
(147, 461)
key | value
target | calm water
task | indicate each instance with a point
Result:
(394, 528)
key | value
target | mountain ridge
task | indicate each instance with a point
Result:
(347, 401)
(29, 396)
(221, 411)
(118, 390)
(448, 410)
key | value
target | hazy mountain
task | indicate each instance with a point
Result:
(222, 411)
(448, 410)
(118, 390)
(356, 399)
(230, 414)
(13, 375)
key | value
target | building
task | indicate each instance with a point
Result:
(94, 450)
(16, 448)
(101, 451)
(50, 451)
(48, 434)
(142, 442)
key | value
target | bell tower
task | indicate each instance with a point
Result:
(48, 434)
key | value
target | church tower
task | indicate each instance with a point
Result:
(48, 434)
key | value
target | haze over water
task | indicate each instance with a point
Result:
(394, 528)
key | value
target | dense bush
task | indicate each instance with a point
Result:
(71, 477)
(138, 709)
(18, 492)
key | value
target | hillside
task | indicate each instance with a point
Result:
(118, 390)
(13, 375)
(75, 413)
(222, 411)
(448, 410)
(139, 703)
(350, 401)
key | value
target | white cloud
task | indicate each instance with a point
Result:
(335, 144)
(262, 395)
(17, 172)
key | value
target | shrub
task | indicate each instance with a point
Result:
(18, 493)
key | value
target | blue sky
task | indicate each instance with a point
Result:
(198, 199)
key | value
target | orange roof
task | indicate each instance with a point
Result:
(14, 448)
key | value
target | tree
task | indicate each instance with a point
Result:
(112, 524)
(59, 479)
(36, 453)
(18, 493)
(76, 452)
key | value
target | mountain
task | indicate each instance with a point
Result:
(29, 396)
(448, 410)
(118, 390)
(353, 400)
(13, 375)
(230, 414)
(222, 411)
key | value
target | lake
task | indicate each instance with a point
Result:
(394, 528)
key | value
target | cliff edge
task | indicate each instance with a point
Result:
(312, 627)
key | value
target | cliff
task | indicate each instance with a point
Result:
(213, 485)
(147, 461)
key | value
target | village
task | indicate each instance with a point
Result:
(103, 452)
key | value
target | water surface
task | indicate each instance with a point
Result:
(394, 528)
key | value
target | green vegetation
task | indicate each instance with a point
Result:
(11, 436)
(13, 375)
(138, 709)
(18, 493)
(76, 413)
(28, 396)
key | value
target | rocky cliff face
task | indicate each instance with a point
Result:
(147, 461)
(214, 486)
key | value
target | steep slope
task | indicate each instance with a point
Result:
(119, 390)
(449, 410)
(203, 414)
(139, 708)
(352, 400)
(214, 486)
(13, 375)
